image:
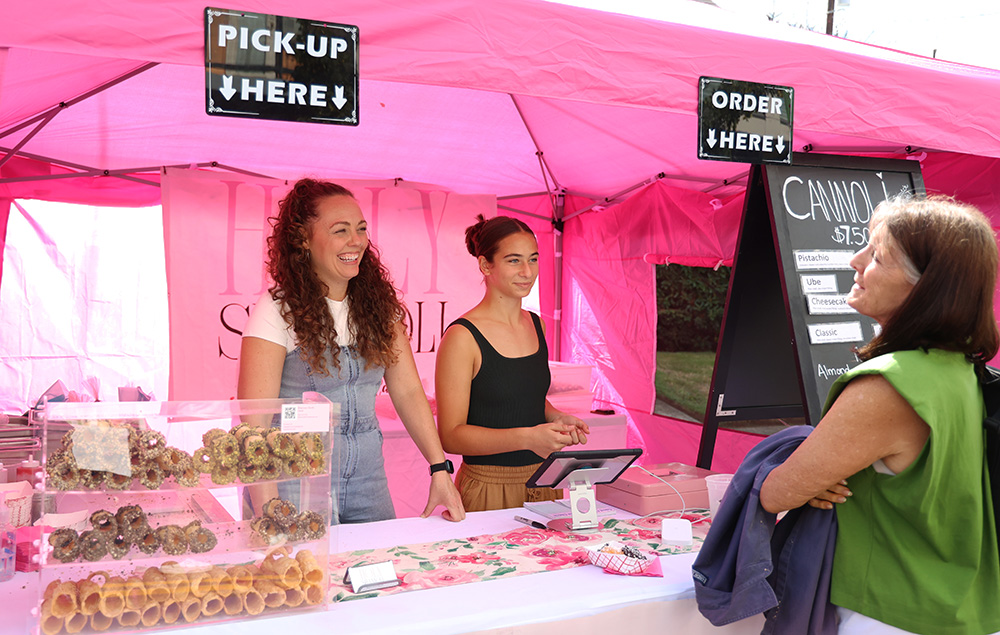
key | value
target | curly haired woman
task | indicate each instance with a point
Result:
(333, 323)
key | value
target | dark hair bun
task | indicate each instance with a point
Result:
(473, 233)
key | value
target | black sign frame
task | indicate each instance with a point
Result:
(280, 68)
(751, 123)
(775, 357)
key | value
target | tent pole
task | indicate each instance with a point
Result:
(27, 137)
(51, 112)
(557, 274)
(611, 199)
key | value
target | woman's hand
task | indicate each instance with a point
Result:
(837, 493)
(580, 429)
(546, 438)
(443, 492)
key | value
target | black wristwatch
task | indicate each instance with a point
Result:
(446, 465)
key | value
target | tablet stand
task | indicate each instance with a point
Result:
(582, 503)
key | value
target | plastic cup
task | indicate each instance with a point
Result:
(716, 485)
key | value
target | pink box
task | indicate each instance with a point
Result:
(638, 492)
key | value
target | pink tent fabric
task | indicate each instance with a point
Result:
(516, 98)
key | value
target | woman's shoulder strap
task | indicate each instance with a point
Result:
(484, 344)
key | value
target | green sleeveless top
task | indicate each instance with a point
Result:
(918, 550)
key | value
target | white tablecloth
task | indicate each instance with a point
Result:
(582, 598)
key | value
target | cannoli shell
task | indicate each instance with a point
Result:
(156, 585)
(211, 604)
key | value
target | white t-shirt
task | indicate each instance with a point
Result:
(266, 323)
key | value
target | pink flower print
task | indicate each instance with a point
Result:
(648, 522)
(557, 557)
(477, 557)
(337, 564)
(526, 536)
(437, 578)
(577, 538)
(642, 534)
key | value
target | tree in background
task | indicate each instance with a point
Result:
(690, 304)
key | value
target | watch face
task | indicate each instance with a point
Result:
(445, 466)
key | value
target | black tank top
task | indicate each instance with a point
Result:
(508, 392)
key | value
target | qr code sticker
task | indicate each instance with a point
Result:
(290, 412)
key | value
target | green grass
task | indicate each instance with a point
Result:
(684, 379)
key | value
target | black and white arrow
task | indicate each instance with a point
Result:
(227, 89)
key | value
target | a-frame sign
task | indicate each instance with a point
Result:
(787, 332)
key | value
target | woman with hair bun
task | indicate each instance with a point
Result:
(493, 374)
(333, 323)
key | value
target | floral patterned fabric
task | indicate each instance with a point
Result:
(494, 556)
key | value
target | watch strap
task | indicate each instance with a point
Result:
(444, 466)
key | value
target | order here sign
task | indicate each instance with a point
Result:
(744, 121)
(276, 67)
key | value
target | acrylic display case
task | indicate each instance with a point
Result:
(162, 514)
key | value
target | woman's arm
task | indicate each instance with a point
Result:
(456, 360)
(261, 364)
(407, 394)
(868, 421)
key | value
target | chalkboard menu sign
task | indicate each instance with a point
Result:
(787, 332)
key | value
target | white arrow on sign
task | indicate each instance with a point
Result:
(780, 146)
(227, 89)
(711, 137)
(338, 97)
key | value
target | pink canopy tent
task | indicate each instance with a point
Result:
(585, 122)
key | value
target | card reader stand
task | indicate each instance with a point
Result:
(582, 503)
(579, 472)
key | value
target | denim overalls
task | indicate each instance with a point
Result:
(359, 486)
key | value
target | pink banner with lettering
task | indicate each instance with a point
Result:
(215, 230)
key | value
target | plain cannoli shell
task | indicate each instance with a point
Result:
(211, 604)
(201, 583)
(311, 571)
(113, 597)
(273, 595)
(314, 593)
(156, 585)
(253, 602)
(233, 604)
(135, 593)
(50, 588)
(75, 622)
(88, 596)
(150, 614)
(100, 622)
(286, 571)
(64, 599)
(129, 618)
(242, 576)
(171, 611)
(294, 597)
(50, 624)
(191, 608)
(222, 582)
(179, 585)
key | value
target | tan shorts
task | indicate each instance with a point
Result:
(485, 487)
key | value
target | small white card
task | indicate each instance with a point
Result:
(834, 333)
(828, 304)
(819, 259)
(818, 283)
(371, 577)
(305, 417)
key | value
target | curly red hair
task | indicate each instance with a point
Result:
(374, 306)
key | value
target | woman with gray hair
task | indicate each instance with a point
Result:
(900, 448)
